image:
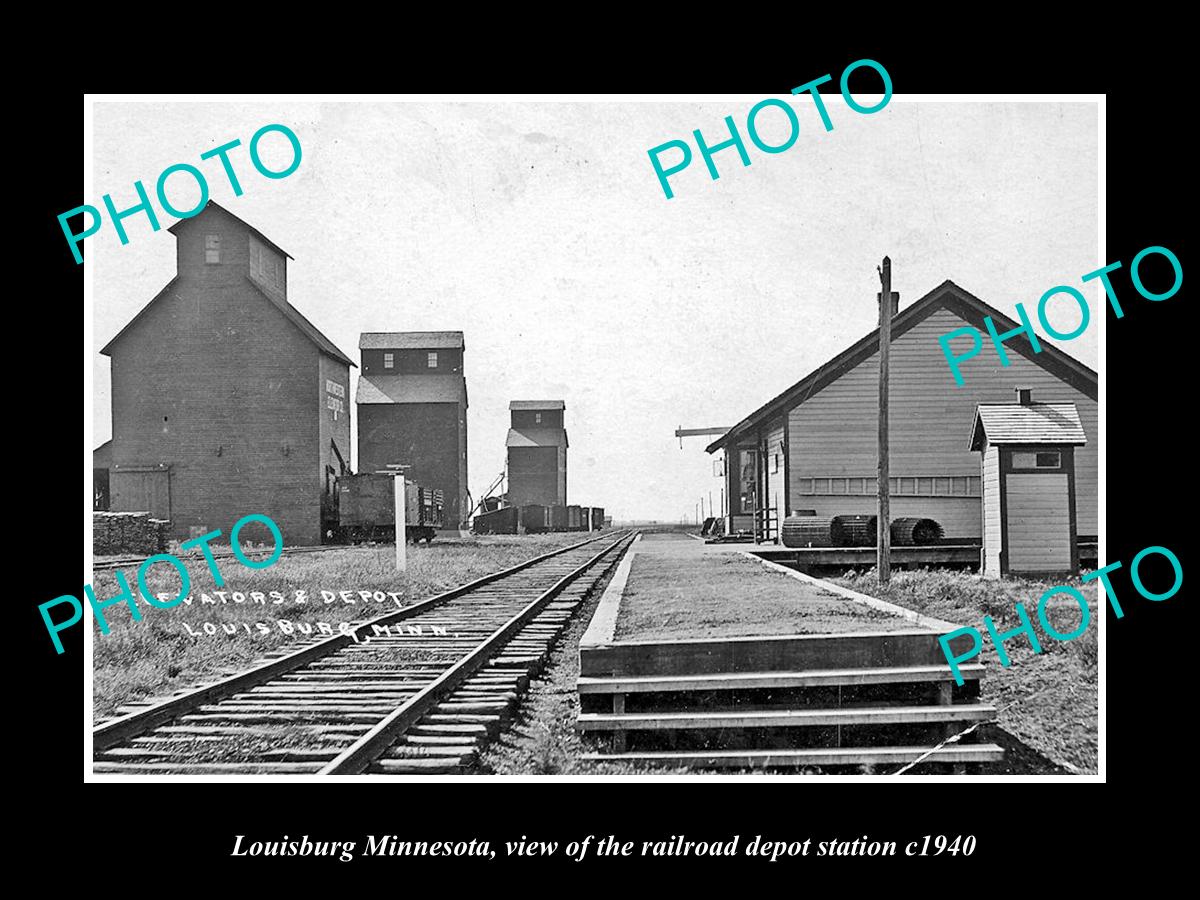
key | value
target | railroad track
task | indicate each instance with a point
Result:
(419, 690)
(132, 562)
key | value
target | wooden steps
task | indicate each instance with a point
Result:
(726, 681)
(732, 718)
(787, 718)
(819, 700)
(824, 756)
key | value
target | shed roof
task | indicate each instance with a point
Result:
(537, 404)
(411, 389)
(102, 456)
(410, 340)
(946, 295)
(536, 437)
(1037, 423)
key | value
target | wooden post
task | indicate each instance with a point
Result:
(619, 744)
(884, 543)
(401, 530)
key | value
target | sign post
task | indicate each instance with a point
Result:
(401, 531)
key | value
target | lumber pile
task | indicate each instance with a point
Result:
(128, 532)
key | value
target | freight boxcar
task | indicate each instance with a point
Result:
(558, 518)
(597, 518)
(535, 519)
(498, 521)
(367, 511)
(575, 520)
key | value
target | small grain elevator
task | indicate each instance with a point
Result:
(412, 411)
(1028, 486)
(537, 454)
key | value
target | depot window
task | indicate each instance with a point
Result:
(1039, 459)
(432, 361)
(212, 248)
(389, 360)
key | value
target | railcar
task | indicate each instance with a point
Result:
(367, 511)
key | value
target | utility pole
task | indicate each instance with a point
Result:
(884, 543)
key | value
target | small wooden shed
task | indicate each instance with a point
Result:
(1028, 486)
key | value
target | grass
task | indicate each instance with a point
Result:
(159, 654)
(1048, 700)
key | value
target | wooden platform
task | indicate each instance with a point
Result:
(956, 556)
(960, 556)
(796, 700)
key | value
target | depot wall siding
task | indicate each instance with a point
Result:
(834, 432)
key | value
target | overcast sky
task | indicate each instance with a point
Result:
(540, 231)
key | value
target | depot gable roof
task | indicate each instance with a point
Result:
(946, 295)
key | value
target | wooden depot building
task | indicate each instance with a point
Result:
(815, 446)
(226, 400)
